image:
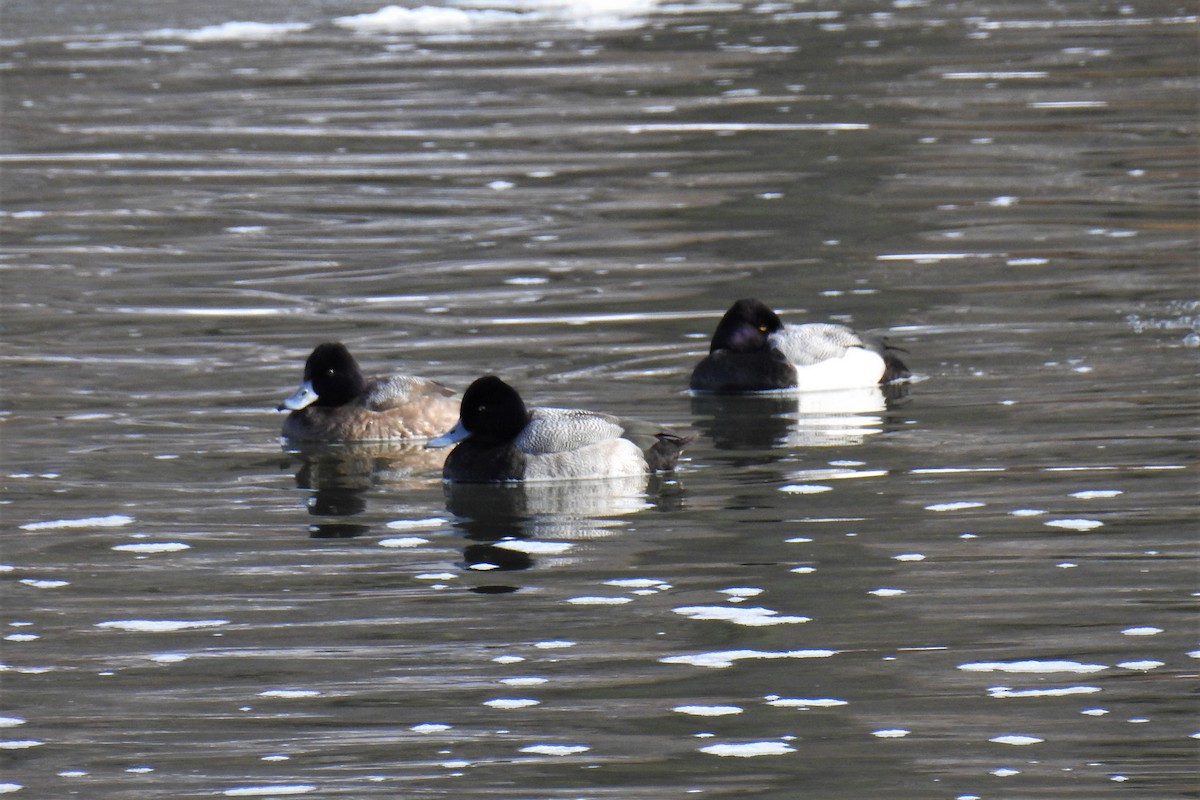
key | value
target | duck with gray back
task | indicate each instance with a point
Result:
(498, 438)
(752, 350)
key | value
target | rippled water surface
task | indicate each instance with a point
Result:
(979, 587)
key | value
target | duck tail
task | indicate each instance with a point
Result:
(893, 368)
(665, 451)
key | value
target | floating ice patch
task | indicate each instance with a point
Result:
(891, 733)
(1145, 630)
(1027, 512)
(806, 702)
(754, 617)
(169, 658)
(111, 521)
(726, 658)
(1095, 712)
(1016, 739)
(1094, 494)
(430, 727)
(1031, 666)
(887, 592)
(234, 31)
(511, 702)
(151, 547)
(435, 576)
(742, 591)
(599, 601)
(44, 584)
(805, 488)
(1074, 524)
(638, 583)
(798, 540)
(524, 681)
(20, 744)
(270, 791)
(1004, 691)
(957, 506)
(21, 637)
(416, 524)
(1004, 772)
(909, 557)
(535, 548)
(555, 749)
(403, 541)
(1140, 666)
(748, 749)
(508, 659)
(427, 20)
(708, 711)
(161, 625)
(803, 569)
(290, 693)
(554, 644)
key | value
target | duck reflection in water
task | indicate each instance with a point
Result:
(339, 477)
(519, 476)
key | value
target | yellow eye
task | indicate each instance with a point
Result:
(762, 328)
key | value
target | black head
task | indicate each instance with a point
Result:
(745, 327)
(492, 410)
(334, 375)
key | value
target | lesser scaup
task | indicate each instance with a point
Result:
(499, 439)
(337, 403)
(753, 350)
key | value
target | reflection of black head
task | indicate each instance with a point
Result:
(493, 411)
(335, 375)
(745, 327)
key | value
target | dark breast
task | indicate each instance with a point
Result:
(727, 371)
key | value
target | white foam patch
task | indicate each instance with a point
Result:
(957, 506)
(1140, 666)
(535, 548)
(169, 658)
(742, 591)
(403, 541)
(270, 791)
(806, 702)
(1031, 667)
(41, 583)
(1094, 494)
(887, 592)
(725, 658)
(554, 644)
(1074, 524)
(805, 488)
(11, 722)
(1004, 772)
(599, 601)
(234, 31)
(416, 524)
(1016, 740)
(909, 557)
(111, 521)
(748, 749)
(891, 733)
(143, 548)
(1144, 630)
(290, 693)
(161, 625)
(753, 617)
(1064, 691)
(708, 711)
(555, 749)
(430, 727)
(1095, 712)
(511, 702)
(1027, 512)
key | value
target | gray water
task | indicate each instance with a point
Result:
(982, 589)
